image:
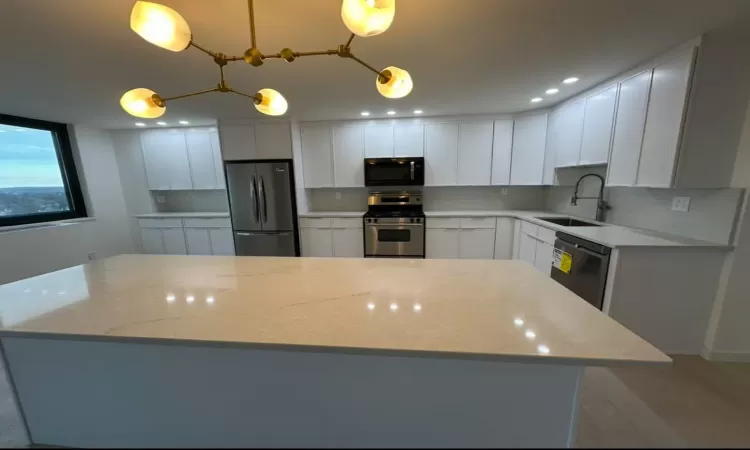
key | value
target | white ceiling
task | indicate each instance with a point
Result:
(71, 60)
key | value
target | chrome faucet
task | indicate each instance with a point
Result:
(601, 205)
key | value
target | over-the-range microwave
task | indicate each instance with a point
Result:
(394, 171)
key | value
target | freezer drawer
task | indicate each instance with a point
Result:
(264, 244)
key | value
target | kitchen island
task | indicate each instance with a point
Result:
(235, 351)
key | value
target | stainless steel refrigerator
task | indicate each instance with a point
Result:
(261, 202)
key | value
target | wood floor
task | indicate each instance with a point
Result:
(693, 403)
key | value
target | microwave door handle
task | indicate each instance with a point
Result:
(411, 170)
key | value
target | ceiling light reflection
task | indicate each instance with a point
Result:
(190, 299)
(394, 306)
(518, 322)
(371, 306)
(530, 335)
(417, 307)
(543, 349)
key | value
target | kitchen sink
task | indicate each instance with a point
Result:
(568, 222)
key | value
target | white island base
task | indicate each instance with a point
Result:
(114, 394)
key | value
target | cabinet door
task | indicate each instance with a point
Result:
(348, 243)
(273, 140)
(569, 126)
(201, 157)
(317, 165)
(151, 241)
(317, 242)
(630, 120)
(527, 249)
(504, 238)
(222, 242)
(349, 156)
(529, 139)
(502, 144)
(174, 241)
(218, 163)
(442, 243)
(478, 243)
(666, 105)
(379, 141)
(441, 154)
(237, 142)
(175, 152)
(543, 257)
(408, 140)
(155, 160)
(597, 127)
(198, 241)
(475, 154)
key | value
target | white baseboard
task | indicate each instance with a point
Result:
(741, 357)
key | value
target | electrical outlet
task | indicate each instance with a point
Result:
(92, 256)
(680, 204)
(504, 191)
(338, 195)
(160, 199)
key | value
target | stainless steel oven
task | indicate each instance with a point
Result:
(394, 237)
(394, 225)
(394, 172)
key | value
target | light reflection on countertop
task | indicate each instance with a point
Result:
(451, 308)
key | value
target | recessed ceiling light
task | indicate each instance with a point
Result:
(140, 124)
(418, 111)
(536, 99)
(552, 91)
(570, 80)
(391, 113)
(184, 122)
(163, 124)
(364, 113)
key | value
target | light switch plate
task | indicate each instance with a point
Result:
(504, 191)
(338, 195)
(681, 204)
(160, 199)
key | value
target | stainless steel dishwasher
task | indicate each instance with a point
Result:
(581, 266)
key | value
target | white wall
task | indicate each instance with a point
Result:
(29, 252)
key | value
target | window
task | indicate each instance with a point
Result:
(38, 181)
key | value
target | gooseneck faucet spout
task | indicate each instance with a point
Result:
(601, 205)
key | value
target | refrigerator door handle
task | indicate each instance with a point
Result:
(265, 203)
(256, 207)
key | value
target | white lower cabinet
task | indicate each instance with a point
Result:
(478, 243)
(198, 241)
(151, 241)
(543, 257)
(332, 236)
(174, 241)
(442, 243)
(504, 233)
(347, 243)
(536, 246)
(317, 242)
(222, 241)
(527, 248)
(186, 237)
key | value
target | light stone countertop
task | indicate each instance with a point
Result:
(186, 215)
(497, 310)
(608, 234)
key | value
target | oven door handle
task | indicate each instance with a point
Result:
(377, 225)
(411, 170)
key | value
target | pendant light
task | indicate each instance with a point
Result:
(165, 28)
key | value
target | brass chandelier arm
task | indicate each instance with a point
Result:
(383, 76)
(204, 50)
(191, 94)
(349, 42)
(252, 22)
(255, 97)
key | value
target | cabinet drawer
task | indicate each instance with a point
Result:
(315, 222)
(442, 222)
(222, 222)
(160, 223)
(338, 222)
(546, 235)
(529, 228)
(478, 222)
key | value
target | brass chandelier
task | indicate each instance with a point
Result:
(164, 27)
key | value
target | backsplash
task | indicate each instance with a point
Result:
(191, 201)
(436, 198)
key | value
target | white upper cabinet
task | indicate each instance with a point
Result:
(218, 163)
(408, 140)
(502, 143)
(441, 154)
(237, 142)
(201, 157)
(568, 132)
(475, 153)
(273, 140)
(348, 156)
(317, 164)
(166, 157)
(669, 92)
(379, 141)
(529, 139)
(597, 127)
(628, 133)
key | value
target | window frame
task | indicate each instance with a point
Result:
(68, 171)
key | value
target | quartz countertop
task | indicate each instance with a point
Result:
(607, 234)
(187, 215)
(498, 310)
